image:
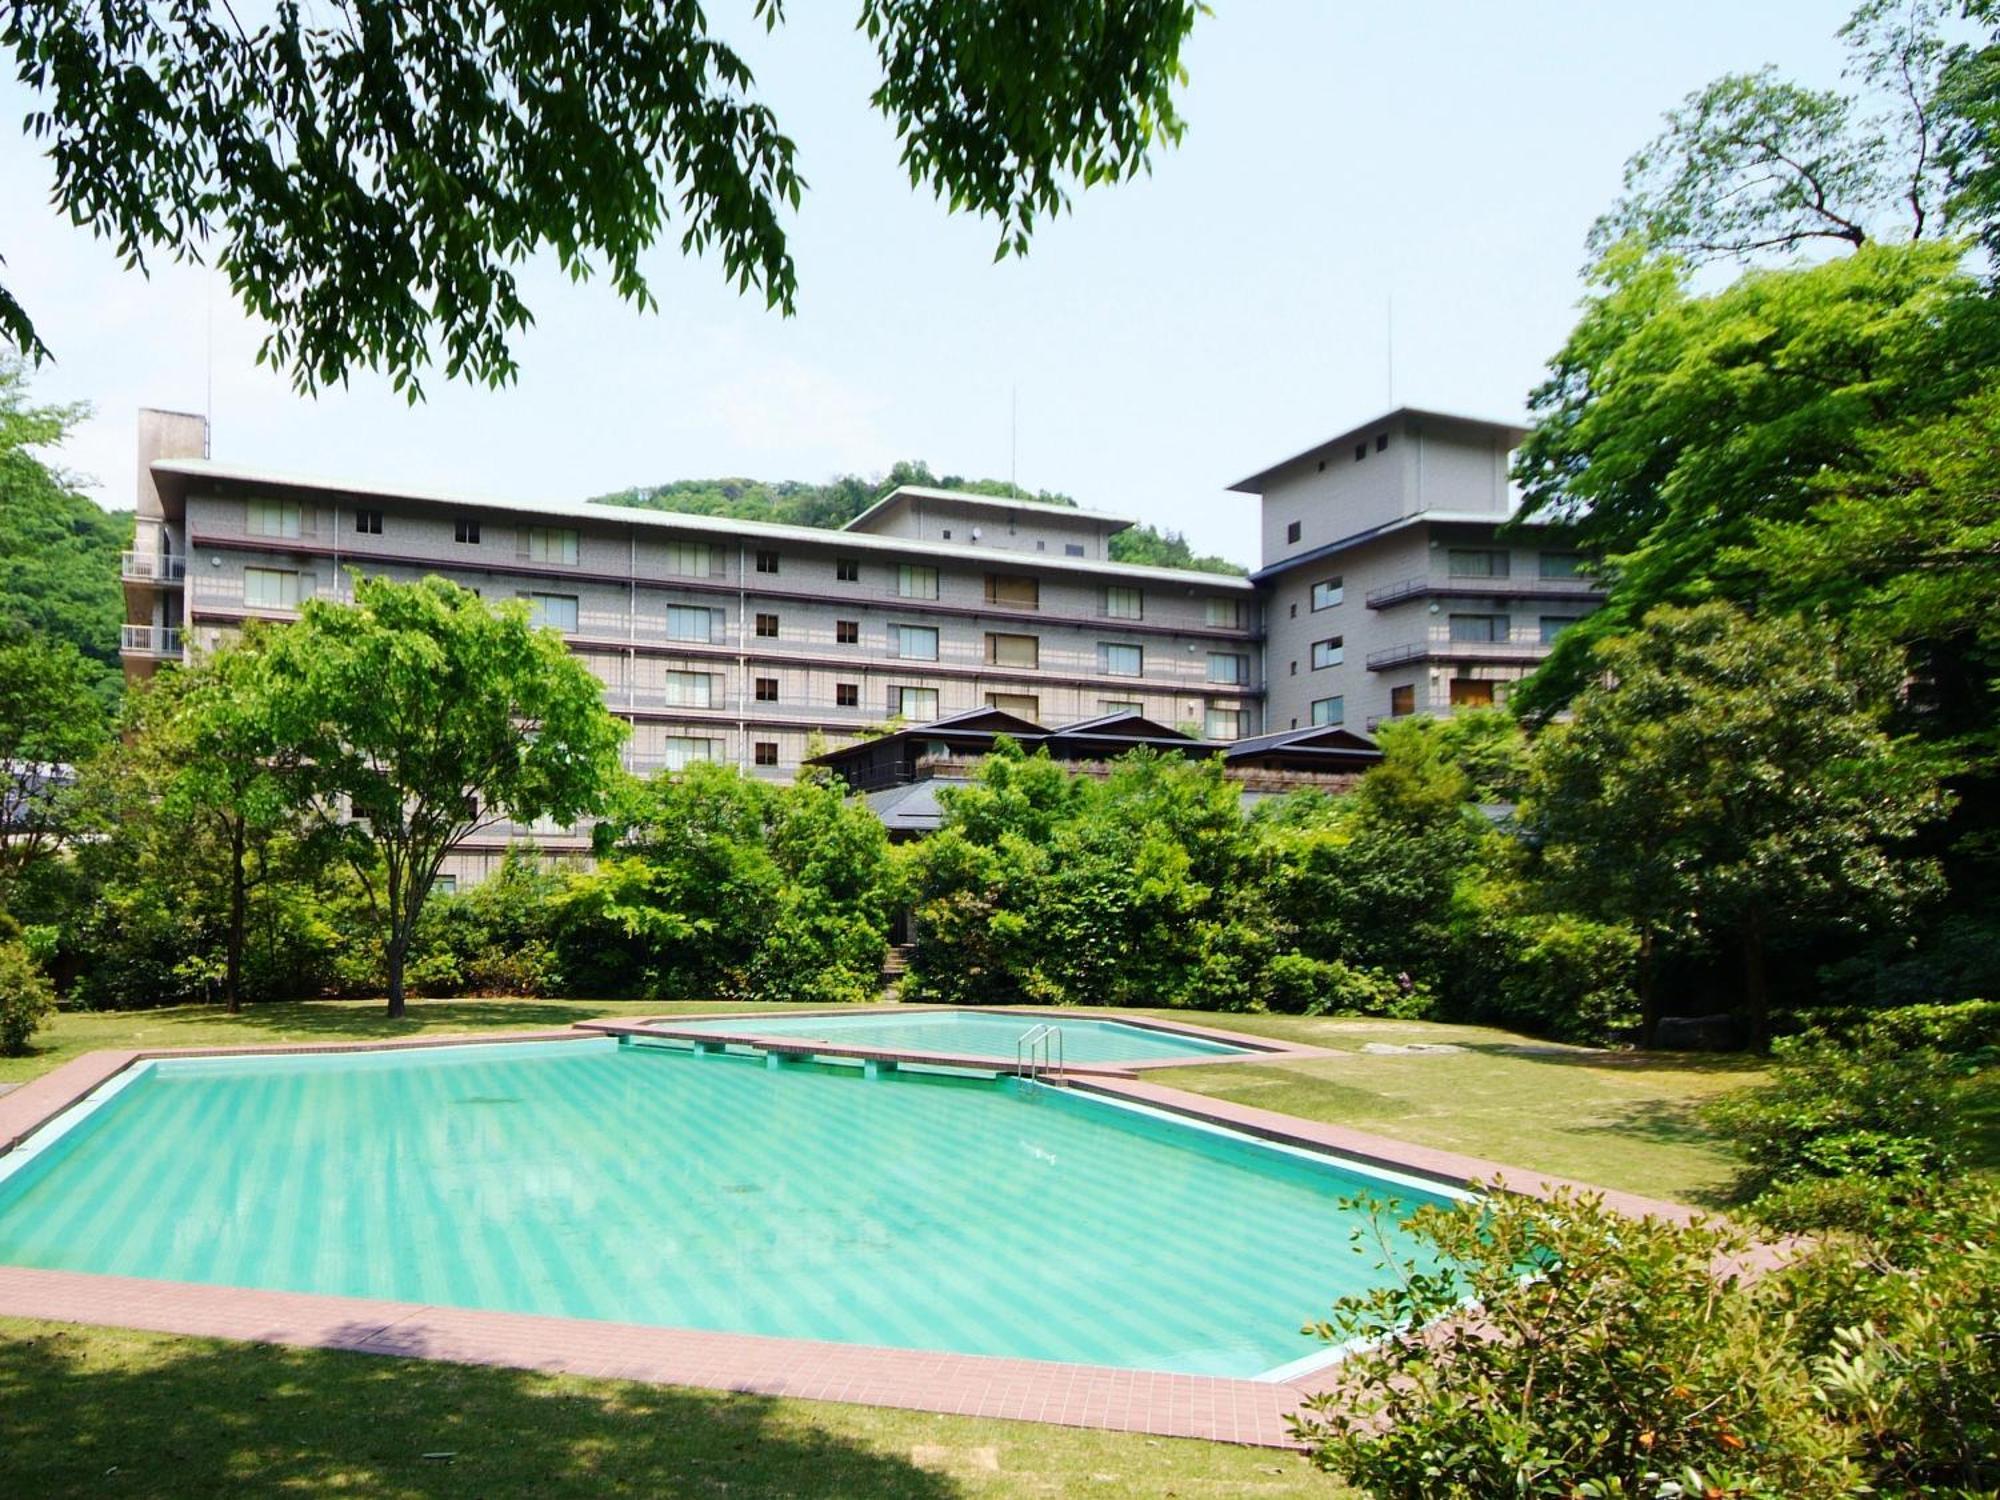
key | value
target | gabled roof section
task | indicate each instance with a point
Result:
(977, 721)
(1402, 416)
(1313, 737)
(905, 494)
(1123, 723)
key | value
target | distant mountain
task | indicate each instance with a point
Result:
(833, 505)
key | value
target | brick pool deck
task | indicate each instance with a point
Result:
(1234, 1411)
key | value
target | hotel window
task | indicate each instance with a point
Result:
(1330, 652)
(913, 582)
(1561, 565)
(1469, 692)
(444, 885)
(916, 704)
(1027, 705)
(767, 626)
(1327, 593)
(846, 632)
(680, 751)
(1292, 532)
(766, 752)
(1555, 625)
(1013, 590)
(690, 559)
(1223, 614)
(1023, 651)
(687, 622)
(1121, 661)
(465, 531)
(767, 561)
(1226, 667)
(1381, 442)
(1222, 724)
(690, 690)
(1124, 604)
(1119, 706)
(1072, 549)
(1478, 629)
(913, 642)
(1402, 701)
(1360, 451)
(1329, 710)
(557, 610)
(270, 588)
(548, 544)
(847, 570)
(847, 694)
(281, 518)
(1465, 562)
(368, 522)
(767, 690)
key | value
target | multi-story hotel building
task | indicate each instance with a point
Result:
(1386, 586)
(1383, 592)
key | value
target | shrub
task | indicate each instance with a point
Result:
(26, 997)
(1903, 1332)
(1327, 987)
(1838, 1109)
(1621, 1367)
(1565, 976)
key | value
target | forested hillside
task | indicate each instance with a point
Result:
(839, 501)
(58, 549)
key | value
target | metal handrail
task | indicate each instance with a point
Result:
(152, 567)
(1049, 1039)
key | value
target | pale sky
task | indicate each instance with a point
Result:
(1168, 337)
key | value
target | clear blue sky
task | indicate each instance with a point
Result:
(1167, 338)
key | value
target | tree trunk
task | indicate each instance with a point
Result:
(232, 977)
(399, 944)
(1756, 980)
(1649, 999)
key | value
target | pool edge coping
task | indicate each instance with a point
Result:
(1223, 1409)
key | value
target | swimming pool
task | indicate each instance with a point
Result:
(972, 1033)
(588, 1180)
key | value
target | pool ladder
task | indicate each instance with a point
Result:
(1037, 1051)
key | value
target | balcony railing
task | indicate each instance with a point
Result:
(151, 640)
(1439, 643)
(1533, 587)
(152, 567)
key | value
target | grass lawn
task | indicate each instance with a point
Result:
(111, 1411)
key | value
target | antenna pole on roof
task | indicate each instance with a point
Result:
(1389, 343)
(1013, 438)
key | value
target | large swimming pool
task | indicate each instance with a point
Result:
(591, 1180)
(972, 1033)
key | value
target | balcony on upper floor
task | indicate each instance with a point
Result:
(1443, 586)
(151, 640)
(152, 567)
(1441, 643)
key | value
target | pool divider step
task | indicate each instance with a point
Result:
(877, 1062)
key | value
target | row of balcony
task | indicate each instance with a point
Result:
(1440, 643)
(152, 567)
(1424, 584)
(151, 640)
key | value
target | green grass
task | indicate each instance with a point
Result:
(110, 1411)
(94, 1411)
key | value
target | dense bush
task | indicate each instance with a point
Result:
(26, 996)
(1838, 1112)
(1328, 987)
(1620, 1367)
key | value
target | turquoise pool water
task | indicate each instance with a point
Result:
(587, 1180)
(973, 1033)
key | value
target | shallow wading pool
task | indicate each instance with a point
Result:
(588, 1180)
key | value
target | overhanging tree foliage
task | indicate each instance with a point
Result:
(417, 715)
(370, 173)
(50, 720)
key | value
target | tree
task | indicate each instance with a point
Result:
(372, 179)
(1729, 779)
(58, 549)
(1673, 425)
(419, 714)
(203, 762)
(50, 720)
(1753, 163)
